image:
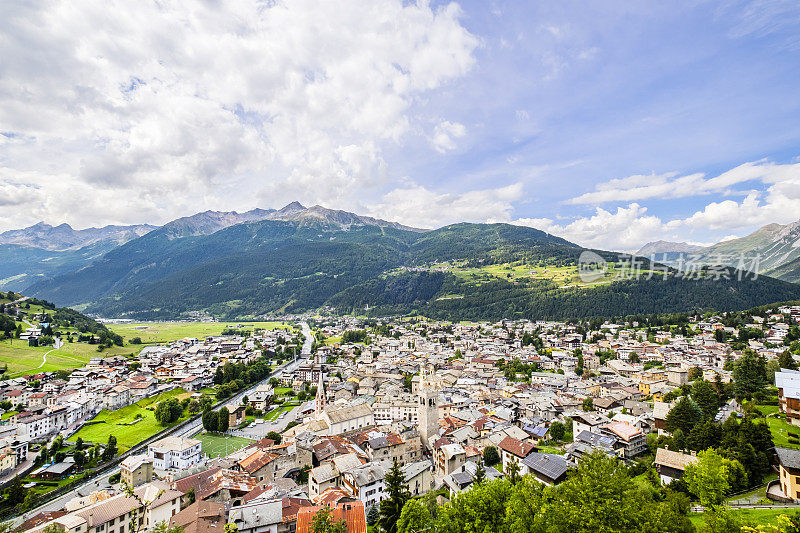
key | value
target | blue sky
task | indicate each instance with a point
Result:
(609, 123)
(566, 95)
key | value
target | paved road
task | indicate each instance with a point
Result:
(101, 482)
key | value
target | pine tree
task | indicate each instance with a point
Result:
(16, 492)
(391, 508)
(480, 473)
(373, 515)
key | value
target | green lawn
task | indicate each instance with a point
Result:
(23, 359)
(551, 449)
(779, 427)
(160, 332)
(220, 446)
(272, 415)
(751, 516)
(281, 391)
(120, 423)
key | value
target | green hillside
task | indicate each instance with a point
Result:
(469, 271)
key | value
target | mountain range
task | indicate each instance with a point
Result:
(297, 259)
(773, 250)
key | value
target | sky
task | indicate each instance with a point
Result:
(609, 123)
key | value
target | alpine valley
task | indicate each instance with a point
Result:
(298, 259)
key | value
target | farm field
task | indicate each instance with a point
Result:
(219, 445)
(122, 423)
(23, 359)
(161, 332)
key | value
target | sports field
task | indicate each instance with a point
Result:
(219, 445)
(160, 332)
(124, 424)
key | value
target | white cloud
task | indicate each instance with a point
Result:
(416, 205)
(670, 185)
(169, 103)
(445, 135)
(625, 229)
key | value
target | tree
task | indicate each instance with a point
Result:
(111, 448)
(80, 459)
(274, 435)
(557, 430)
(168, 411)
(480, 509)
(684, 416)
(599, 496)
(163, 527)
(190, 496)
(785, 360)
(708, 478)
(749, 375)
(210, 421)
(16, 492)
(490, 456)
(223, 419)
(398, 495)
(524, 505)
(588, 404)
(415, 518)
(372, 515)
(480, 473)
(79, 443)
(324, 522)
(705, 397)
(512, 471)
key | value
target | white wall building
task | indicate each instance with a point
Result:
(175, 453)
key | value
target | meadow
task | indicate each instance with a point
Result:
(563, 276)
(163, 332)
(130, 425)
(23, 359)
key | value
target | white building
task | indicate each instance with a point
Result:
(348, 418)
(176, 453)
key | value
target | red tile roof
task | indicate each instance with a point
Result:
(352, 513)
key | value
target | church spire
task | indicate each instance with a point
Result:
(319, 402)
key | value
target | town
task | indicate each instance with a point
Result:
(270, 429)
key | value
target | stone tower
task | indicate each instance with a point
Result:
(427, 410)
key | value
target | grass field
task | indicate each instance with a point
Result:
(220, 446)
(122, 423)
(779, 427)
(752, 516)
(23, 359)
(161, 332)
(285, 408)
